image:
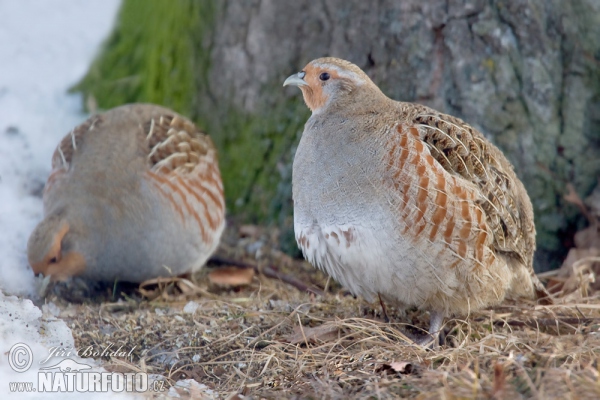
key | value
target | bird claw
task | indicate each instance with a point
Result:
(429, 341)
(43, 285)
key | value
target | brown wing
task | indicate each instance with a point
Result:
(176, 143)
(463, 151)
(183, 166)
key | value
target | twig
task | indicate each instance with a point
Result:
(573, 198)
(269, 272)
(231, 262)
(544, 321)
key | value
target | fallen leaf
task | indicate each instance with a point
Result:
(577, 273)
(231, 276)
(588, 237)
(398, 367)
(321, 333)
(249, 231)
(573, 198)
(186, 286)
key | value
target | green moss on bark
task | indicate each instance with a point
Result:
(159, 52)
(151, 55)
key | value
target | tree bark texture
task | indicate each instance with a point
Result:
(524, 72)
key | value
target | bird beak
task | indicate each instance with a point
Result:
(296, 80)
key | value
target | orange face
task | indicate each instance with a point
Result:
(320, 81)
(317, 77)
(57, 264)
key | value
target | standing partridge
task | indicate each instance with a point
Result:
(134, 194)
(398, 201)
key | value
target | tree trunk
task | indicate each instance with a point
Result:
(526, 73)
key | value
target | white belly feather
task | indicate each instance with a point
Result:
(369, 262)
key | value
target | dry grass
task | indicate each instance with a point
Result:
(270, 340)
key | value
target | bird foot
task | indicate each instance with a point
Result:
(435, 337)
(429, 341)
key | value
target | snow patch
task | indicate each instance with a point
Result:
(47, 47)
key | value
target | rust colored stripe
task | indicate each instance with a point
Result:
(189, 185)
(396, 178)
(403, 141)
(416, 159)
(441, 199)
(189, 209)
(405, 196)
(479, 215)
(419, 146)
(479, 246)
(169, 196)
(220, 188)
(462, 193)
(215, 176)
(449, 230)
(423, 190)
(457, 188)
(441, 183)
(211, 222)
(465, 210)
(421, 169)
(440, 212)
(465, 231)
(402, 158)
(422, 198)
(420, 214)
(198, 185)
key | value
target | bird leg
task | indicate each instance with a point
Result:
(432, 339)
(384, 309)
(435, 322)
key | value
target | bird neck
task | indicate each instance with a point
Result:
(361, 100)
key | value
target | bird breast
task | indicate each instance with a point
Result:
(373, 224)
(342, 222)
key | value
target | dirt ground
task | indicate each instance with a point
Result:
(245, 333)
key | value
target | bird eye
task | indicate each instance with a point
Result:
(53, 260)
(324, 76)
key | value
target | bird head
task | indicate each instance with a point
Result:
(327, 81)
(50, 250)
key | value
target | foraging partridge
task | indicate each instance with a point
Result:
(134, 194)
(400, 201)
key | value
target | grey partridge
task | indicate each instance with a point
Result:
(398, 201)
(135, 193)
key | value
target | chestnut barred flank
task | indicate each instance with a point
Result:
(400, 202)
